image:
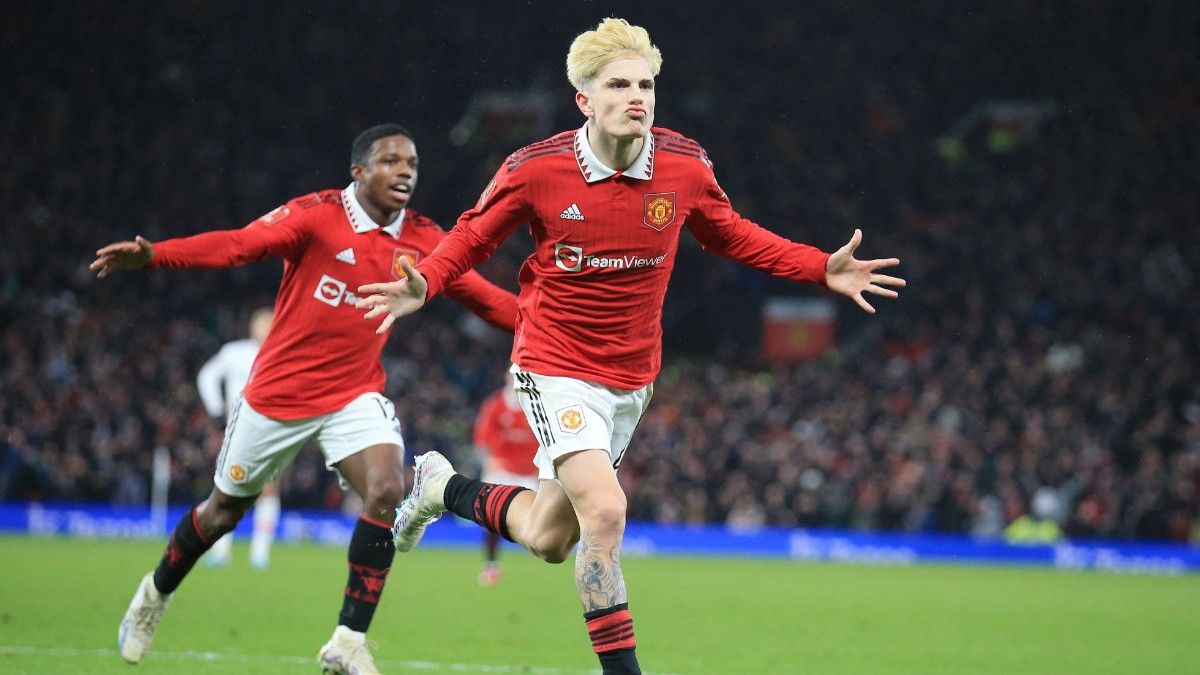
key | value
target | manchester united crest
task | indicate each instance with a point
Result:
(571, 419)
(401, 254)
(659, 209)
(237, 473)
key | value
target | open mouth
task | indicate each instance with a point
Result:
(400, 191)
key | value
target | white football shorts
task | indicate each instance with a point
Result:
(257, 447)
(568, 415)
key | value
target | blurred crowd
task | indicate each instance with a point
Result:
(1047, 350)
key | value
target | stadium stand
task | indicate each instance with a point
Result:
(1048, 342)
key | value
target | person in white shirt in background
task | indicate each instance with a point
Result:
(220, 383)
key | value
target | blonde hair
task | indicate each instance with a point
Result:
(611, 40)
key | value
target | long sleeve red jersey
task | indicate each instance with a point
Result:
(592, 291)
(320, 354)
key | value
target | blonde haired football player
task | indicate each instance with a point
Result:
(606, 205)
(612, 39)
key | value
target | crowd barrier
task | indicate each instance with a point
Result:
(95, 521)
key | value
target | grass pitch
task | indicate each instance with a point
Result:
(61, 601)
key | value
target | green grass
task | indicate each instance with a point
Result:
(61, 601)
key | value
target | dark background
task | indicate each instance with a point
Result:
(1047, 343)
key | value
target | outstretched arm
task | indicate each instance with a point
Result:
(280, 233)
(723, 231)
(123, 255)
(852, 277)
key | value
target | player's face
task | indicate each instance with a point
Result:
(620, 100)
(390, 173)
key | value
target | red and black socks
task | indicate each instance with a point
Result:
(611, 631)
(370, 558)
(484, 503)
(183, 550)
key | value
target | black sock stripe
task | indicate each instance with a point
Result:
(606, 633)
(504, 513)
(616, 638)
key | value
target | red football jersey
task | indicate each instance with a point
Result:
(592, 291)
(320, 354)
(504, 432)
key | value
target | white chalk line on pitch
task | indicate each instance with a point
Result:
(300, 660)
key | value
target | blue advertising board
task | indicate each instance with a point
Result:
(96, 521)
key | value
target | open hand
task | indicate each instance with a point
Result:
(124, 255)
(850, 276)
(393, 299)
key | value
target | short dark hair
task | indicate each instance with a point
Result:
(361, 147)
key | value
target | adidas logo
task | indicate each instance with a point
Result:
(346, 256)
(571, 213)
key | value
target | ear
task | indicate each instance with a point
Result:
(356, 172)
(584, 104)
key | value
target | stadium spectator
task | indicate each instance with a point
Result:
(317, 376)
(588, 345)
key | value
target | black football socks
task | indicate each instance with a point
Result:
(483, 503)
(370, 558)
(183, 550)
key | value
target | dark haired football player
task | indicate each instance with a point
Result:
(317, 376)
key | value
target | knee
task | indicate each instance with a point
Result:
(384, 492)
(555, 546)
(604, 516)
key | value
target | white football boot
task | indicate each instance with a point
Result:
(426, 501)
(137, 628)
(348, 652)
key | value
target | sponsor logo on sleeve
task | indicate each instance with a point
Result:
(276, 215)
(487, 193)
(571, 419)
(399, 254)
(659, 210)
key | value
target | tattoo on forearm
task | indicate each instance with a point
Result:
(598, 572)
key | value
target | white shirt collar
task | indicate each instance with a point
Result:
(594, 170)
(361, 222)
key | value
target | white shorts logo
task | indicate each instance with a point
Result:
(330, 290)
(569, 258)
(571, 419)
(237, 473)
